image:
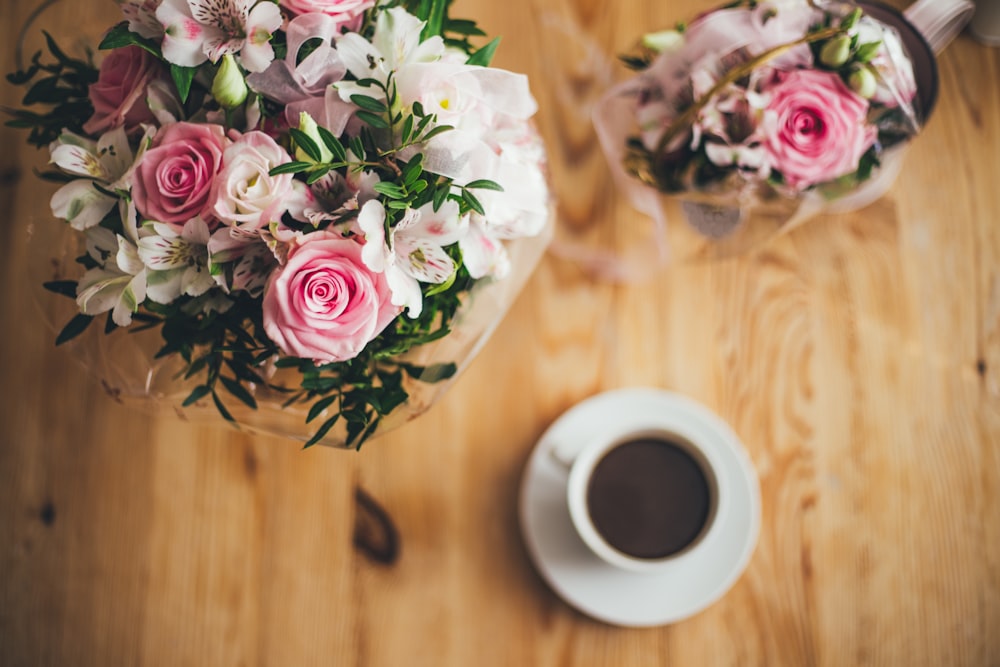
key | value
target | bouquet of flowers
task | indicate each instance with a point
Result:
(304, 187)
(762, 103)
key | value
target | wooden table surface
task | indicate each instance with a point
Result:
(858, 358)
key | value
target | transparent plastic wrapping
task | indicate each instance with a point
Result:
(124, 364)
(755, 117)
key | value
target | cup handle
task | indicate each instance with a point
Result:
(940, 21)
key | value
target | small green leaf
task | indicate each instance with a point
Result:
(440, 195)
(418, 109)
(63, 287)
(369, 103)
(222, 408)
(472, 202)
(319, 406)
(306, 143)
(290, 168)
(867, 51)
(484, 184)
(322, 431)
(333, 144)
(440, 129)
(198, 393)
(389, 189)
(74, 328)
(183, 77)
(484, 56)
(237, 389)
(373, 119)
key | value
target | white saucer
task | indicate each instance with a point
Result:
(696, 579)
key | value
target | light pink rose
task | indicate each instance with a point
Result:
(173, 182)
(119, 95)
(348, 13)
(324, 304)
(815, 128)
(245, 195)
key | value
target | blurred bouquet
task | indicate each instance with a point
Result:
(762, 103)
(304, 185)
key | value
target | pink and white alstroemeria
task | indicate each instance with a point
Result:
(141, 17)
(200, 30)
(118, 284)
(395, 44)
(107, 162)
(176, 258)
(414, 252)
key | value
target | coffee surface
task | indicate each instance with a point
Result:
(649, 498)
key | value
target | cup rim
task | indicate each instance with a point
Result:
(594, 451)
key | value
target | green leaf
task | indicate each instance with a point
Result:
(74, 328)
(418, 109)
(867, 51)
(440, 129)
(373, 119)
(472, 202)
(120, 36)
(183, 77)
(222, 408)
(236, 388)
(437, 372)
(318, 174)
(63, 287)
(442, 287)
(435, 19)
(290, 168)
(389, 189)
(306, 143)
(319, 406)
(484, 56)
(333, 144)
(440, 195)
(484, 184)
(463, 27)
(369, 103)
(198, 393)
(322, 431)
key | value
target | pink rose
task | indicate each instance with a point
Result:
(348, 13)
(173, 182)
(245, 194)
(119, 96)
(816, 128)
(324, 304)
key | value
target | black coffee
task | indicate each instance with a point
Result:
(649, 498)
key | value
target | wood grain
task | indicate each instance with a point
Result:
(858, 358)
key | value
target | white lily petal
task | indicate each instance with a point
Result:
(81, 204)
(98, 290)
(114, 153)
(164, 286)
(360, 58)
(183, 35)
(196, 280)
(483, 255)
(127, 257)
(371, 219)
(405, 291)
(428, 263)
(134, 294)
(80, 161)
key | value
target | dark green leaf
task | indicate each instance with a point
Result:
(472, 202)
(290, 168)
(74, 328)
(369, 103)
(319, 406)
(64, 287)
(198, 393)
(222, 408)
(373, 119)
(484, 56)
(484, 184)
(306, 143)
(318, 174)
(389, 189)
(436, 131)
(333, 144)
(322, 431)
(236, 388)
(463, 27)
(120, 36)
(183, 77)
(440, 195)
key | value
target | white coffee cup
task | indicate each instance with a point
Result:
(680, 442)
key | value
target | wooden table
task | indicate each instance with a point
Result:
(857, 357)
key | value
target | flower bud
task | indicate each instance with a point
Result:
(229, 88)
(309, 127)
(836, 51)
(666, 41)
(863, 82)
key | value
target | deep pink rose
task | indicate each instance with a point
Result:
(816, 128)
(119, 96)
(348, 13)
(324, 304)
(173, 182)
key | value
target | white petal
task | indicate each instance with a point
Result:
(80, 161)
(405, 291)
(428, 263)
(99, 290)
(360, 58)
(127, 258)
(164, 286)
(183, 35)
(114, 153)
(371, 219)
(80, 203)
(483, 255)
